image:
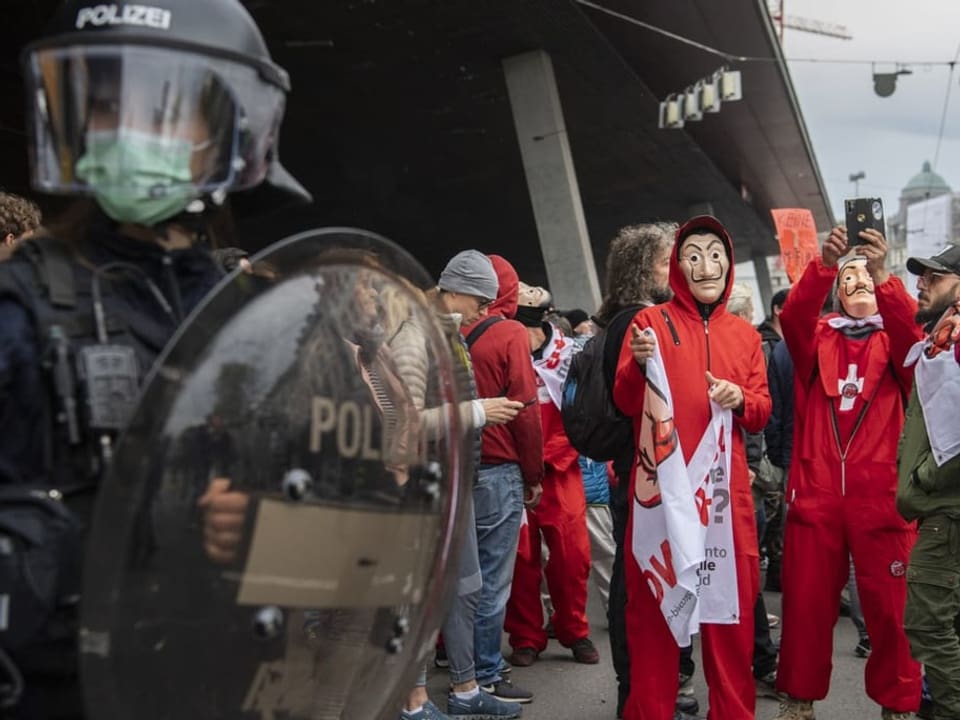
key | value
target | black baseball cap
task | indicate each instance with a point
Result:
(946, 261)
(576, 316)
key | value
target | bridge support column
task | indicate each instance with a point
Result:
(552, 180)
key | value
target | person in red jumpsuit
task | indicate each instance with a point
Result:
(850, 389)
(709, 354)
(561, 517)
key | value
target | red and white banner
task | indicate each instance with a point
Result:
(553, 365)
(682, 520)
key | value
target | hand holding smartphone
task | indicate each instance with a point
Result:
(863, 214)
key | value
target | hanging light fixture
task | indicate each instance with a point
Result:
(704, 96)
(730, 86)
(691, 104)
(671, 112)
(709, 95)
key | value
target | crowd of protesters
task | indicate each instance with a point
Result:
(817, 397)
(843, 473)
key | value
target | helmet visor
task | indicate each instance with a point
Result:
(178, 122)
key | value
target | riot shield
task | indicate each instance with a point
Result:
(276, 534)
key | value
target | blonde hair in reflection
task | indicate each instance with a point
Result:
(400, 301)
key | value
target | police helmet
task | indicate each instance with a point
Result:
(176, 98)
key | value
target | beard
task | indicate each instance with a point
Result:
(932, 313)
(661, 295)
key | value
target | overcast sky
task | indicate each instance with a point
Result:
(852, 129)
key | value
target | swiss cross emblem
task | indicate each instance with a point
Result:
(849, 387)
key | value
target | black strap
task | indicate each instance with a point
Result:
(52, 264)
(46, 286)
(481, 329)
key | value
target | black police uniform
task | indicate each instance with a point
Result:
(46, 319)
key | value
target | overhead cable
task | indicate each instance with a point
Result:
(733, 57)
(946, 103)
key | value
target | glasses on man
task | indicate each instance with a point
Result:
(930, 277)
(483, 304)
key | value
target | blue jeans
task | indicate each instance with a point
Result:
(498, 503)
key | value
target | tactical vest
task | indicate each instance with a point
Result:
(94, 348)
(55, 286)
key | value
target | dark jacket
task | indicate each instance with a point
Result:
(779, 430)
(183, 276)
(769, 338)
(615, 331)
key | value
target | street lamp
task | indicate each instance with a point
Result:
(855, 178)
(885, 83)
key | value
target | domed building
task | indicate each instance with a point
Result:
(925, 185)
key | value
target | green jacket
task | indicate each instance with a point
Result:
(923, 489)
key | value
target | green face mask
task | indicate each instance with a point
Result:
(137, 177)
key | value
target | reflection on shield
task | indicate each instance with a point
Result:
(272, 537)
(658, 440)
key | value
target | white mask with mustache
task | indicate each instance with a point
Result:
(855, 289)
(705, 265)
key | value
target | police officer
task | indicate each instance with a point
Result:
(148, 115)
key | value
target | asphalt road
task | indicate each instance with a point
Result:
(568, 691)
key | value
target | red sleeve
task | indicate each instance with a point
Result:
(630, 380)
(521, 385)
(801, 313)
(898, 311)
(756, 395)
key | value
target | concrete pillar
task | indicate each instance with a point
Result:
(551, 180)
(764, 285)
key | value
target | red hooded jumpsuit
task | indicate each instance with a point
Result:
(692, 341)
(561, 517)
(841, 491)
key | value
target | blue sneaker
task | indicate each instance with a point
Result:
(482, 706)
(429, 711)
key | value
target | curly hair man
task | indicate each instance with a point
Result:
(19, 218)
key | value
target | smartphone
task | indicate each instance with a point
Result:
(528, 403)
(863, 214)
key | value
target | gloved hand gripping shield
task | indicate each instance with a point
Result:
(274, 537)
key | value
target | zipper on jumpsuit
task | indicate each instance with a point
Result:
(706, 333)
(843, 451)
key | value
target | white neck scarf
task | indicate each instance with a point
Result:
(844, 321)
(938, 390)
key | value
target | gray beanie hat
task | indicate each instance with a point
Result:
(471, 273)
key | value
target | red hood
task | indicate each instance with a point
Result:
(678, 283)
(506, 303)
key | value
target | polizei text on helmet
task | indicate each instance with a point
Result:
(139, 15)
